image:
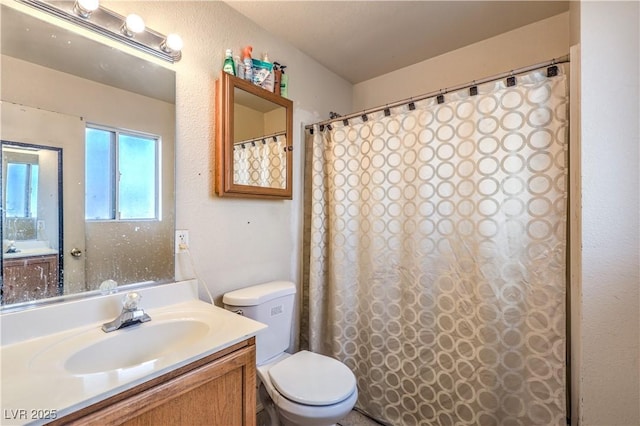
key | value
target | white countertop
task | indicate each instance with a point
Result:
(30, 253)
(34, 379)
(29, 248)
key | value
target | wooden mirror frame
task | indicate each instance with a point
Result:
(224, 184)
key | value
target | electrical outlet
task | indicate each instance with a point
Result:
(182, 240)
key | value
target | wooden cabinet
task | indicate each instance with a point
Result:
(29, 278)
(216, 390)
(247, 116)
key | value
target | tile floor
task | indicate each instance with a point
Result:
(356, 419)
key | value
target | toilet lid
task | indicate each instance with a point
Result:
(312, 379)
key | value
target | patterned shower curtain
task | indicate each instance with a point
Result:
(435, 255)
(261, 162)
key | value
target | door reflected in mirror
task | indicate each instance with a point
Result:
(31, 228)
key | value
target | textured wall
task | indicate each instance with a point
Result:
(524, 46)
(610, 213)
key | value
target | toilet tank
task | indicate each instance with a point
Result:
(271, 304)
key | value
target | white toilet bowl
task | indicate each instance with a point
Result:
(309, 389)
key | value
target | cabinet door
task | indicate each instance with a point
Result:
(29, 278)
(219, 393)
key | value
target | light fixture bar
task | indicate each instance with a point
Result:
(108, 23)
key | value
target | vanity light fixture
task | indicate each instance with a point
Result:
(130, 30)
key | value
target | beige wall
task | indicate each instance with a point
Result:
(537, 42)
(610, 322)
(275, 121)
(247, 123)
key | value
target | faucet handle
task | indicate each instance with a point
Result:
(131, 300)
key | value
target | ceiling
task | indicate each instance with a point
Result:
(359, 40)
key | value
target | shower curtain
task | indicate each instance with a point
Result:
(261, 162)
(435, 255)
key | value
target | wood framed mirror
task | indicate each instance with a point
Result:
(254, 143)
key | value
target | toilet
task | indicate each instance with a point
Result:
(306, 388)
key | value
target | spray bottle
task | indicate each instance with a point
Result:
(248, 63)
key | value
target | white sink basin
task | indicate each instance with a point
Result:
(167, 337)
(134, 345)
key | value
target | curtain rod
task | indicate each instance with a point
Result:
(555, 61)
(273, 135)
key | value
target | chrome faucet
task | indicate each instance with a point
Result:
(131, 314)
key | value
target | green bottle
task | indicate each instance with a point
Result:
(229, 66)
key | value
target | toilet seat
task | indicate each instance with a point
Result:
(312, 379)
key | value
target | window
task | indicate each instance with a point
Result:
(122, 175)
(22, 190)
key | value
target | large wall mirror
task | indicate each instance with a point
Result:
(253, 141)
(88, 139)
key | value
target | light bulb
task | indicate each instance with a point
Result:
(84, 8)
(89, 5)
(172, 44)
(133, 24)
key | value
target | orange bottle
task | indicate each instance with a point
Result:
(247, 63)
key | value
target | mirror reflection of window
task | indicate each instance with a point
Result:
(22, 190)
(122, 175)
(100, 175)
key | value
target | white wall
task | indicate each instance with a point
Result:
(48, 198)
(537, 42)
(234, 242)
(610, 322)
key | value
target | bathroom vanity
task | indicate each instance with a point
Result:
(29, 277)
(192, 363)
(218, 389)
